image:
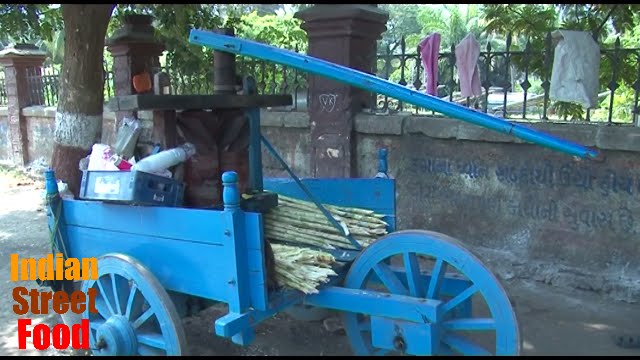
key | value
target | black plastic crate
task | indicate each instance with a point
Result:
(131, 187)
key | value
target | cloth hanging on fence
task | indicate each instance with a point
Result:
(576, 68)
(429, 51)
(467, 55)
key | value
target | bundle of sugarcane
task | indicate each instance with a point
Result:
(302, 222)
(302, 268)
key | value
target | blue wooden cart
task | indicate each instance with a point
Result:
(413, 292)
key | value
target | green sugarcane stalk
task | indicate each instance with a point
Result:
(311, 240)
(292, 270)
(311, 219)
(329, 238)
(293, 232)
(283, 234)
(353, 227)
(328, 206)
(315, 274)
(296, 237)
(336, 213)
(299, 279)
(333, 210)
(295, 283)
(320, 222)
(288, 239)
(370, 223)
(312, 216)
(356, 213)
(335, 239)
(289, 254)
(303, 227)
(300, 221)
(364, 218)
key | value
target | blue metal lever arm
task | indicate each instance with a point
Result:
(375, 84)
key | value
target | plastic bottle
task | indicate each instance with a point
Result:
(165, 159)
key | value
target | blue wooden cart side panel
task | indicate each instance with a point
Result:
(192, 268)
(188, 250)
(162, 222)
(375, 194)
(256, 263)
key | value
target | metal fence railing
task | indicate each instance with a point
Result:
(270, 79)
(507, 83)
(510, 88)
(44, 85)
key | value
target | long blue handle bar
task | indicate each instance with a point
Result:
(377, 85)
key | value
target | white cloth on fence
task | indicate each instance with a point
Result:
(467, 54)
(576, 68)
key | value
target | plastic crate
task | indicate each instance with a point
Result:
(131, 187)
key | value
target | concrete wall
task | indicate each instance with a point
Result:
(40, 126)
(529, 212)
(544, 215)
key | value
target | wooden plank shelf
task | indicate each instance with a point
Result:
(146, 102)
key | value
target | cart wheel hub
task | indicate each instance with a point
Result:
(116, 338)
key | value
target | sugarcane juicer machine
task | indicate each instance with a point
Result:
(155, 261)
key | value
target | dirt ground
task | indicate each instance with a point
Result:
(552, 321)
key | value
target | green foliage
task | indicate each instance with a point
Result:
(282, 31)
(54, 48)
(28, 23)
(402, 23)
(453, 22)
(37, 24)
(527, 22)
(174, 21)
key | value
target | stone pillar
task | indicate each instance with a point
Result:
(134, 49)
(345, 35)
(21, 62)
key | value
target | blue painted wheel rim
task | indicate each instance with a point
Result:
(451, 253)
(140, 319)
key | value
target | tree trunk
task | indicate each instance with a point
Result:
(81, 100)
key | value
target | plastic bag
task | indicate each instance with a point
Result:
(576, 65)
(127, 137)
(63, 190)
(100, 158)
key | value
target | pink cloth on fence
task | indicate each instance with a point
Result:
(429, 49)
(467, 54)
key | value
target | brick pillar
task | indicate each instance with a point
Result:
(21, 62)
(134, 49)
(345, 35)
